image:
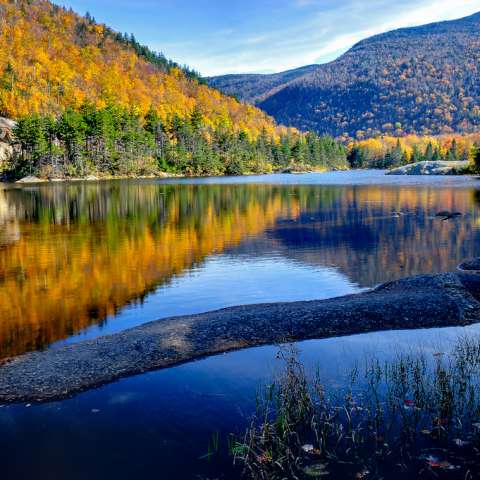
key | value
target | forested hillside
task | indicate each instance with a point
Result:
(93, 101)
(422, 80)
(51, 59)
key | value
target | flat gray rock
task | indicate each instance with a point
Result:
(31, 179)
(440, 167)
(418, 302)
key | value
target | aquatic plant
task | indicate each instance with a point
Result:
(416, 416)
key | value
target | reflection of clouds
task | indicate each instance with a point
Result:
(124, 398)
(335, 357)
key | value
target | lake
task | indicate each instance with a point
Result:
(85, 259)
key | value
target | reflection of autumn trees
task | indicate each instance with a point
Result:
(85, 251)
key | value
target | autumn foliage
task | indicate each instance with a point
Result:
(52, 59)
(387, 151)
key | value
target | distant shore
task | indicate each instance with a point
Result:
(426, 301)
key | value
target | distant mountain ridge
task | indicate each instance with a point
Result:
(422, 80)
(255, 88)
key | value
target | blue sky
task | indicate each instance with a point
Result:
(263, 36)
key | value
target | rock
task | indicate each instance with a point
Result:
(31, 179)
(446, 215)
(470, 265)
(431, 168)
(5, 151)
(6, 136)
(6, 129)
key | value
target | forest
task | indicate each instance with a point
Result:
(92, 101)
(52, 60)
(390, 152)
(114, 141)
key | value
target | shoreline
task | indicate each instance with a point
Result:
(35, 181)
(165, 176)
(426, 301)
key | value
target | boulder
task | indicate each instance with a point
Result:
(30, 179)
(431, 168)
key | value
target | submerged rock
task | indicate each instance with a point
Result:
(431, 168)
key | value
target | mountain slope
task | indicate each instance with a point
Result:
(422, 80)
(51, 59)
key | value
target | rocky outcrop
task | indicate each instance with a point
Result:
(418, 302)
(30, 179)
(6, 137)
(430, 168)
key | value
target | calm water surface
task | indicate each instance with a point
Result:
(85, 260)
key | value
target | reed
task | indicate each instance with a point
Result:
(417, 416)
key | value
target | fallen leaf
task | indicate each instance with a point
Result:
(361, 475)
(264, 459)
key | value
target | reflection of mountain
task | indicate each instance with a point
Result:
(85, 251)
(370, 245)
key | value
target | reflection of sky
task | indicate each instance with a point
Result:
(327, 251)
(227, 281)
(358, 177)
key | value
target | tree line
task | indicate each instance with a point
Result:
(118, 141)
(389, 152)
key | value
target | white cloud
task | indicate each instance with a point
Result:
(325, 33)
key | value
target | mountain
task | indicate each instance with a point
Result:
(422, 80)
(255, 88)
(51, 59)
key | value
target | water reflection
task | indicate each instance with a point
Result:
(73, 256)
